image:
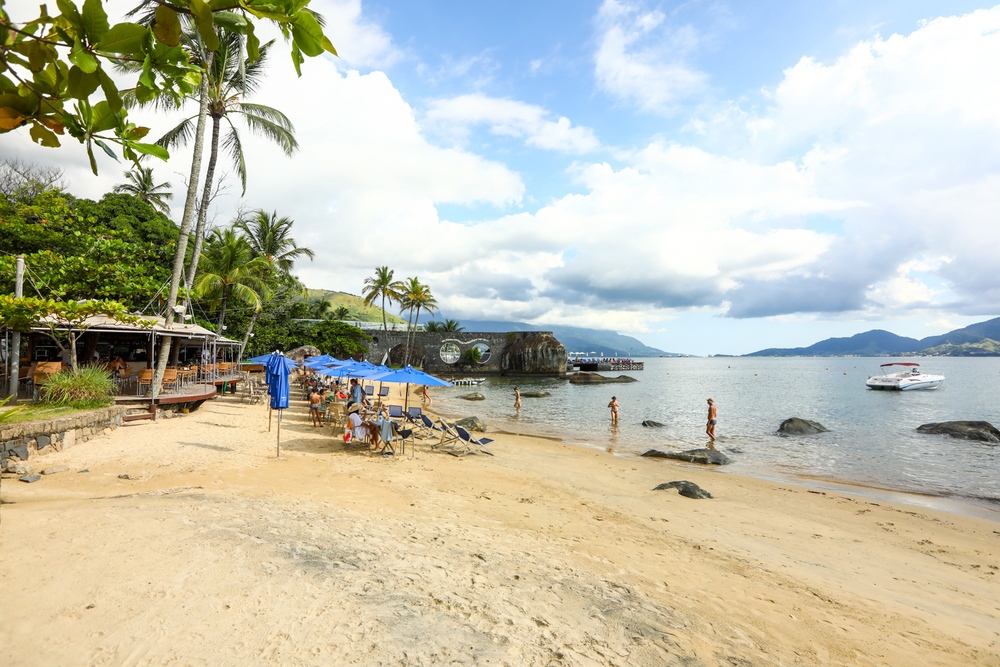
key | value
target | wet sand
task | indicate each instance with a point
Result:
(216, 552)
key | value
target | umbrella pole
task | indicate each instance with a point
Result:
(277, 453)
(269, 419)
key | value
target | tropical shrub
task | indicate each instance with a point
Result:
(90, 388)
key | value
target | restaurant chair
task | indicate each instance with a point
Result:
(145, 380)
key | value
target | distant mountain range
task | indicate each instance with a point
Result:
(975, 340)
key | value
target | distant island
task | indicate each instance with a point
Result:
(976, 340)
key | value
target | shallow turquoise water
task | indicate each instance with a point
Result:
(872, 438)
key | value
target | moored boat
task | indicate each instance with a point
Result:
(905, 380)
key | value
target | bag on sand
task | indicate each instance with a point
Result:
(347, 436)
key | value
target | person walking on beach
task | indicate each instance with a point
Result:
(425, 395)
(517, 399)
(614, 409)
(712, 418)
(314, 405)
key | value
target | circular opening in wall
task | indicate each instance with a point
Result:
(484, 352)
(450, 353)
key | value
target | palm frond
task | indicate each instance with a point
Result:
(180, 135)
(232, 145)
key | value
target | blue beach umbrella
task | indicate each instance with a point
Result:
(410, 375)
(278, 367)
(262, 359)
(321, 360)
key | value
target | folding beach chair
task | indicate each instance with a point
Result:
(424, 426)
(413, 414)
(395, 412)
(467, 437)
(370, 390)
(448, 434)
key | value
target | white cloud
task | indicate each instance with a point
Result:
(359, 42)
(511, 118)
(642, 59)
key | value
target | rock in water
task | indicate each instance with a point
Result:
(475, 396)
(583, 377)
(686, 489)
(652, 424)
(534, 394)
(705, 456)
(472, 424)
(534, 353)
(981, 431)
(798, 426)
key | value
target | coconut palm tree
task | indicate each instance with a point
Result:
(416, 297)
(381, 285)
(230, 271)
(142, 186)
(319, 309)
(452, 325)
(231, 78)
(341, 313)
(271, 237)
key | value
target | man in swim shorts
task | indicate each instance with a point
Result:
(712, 418)
(314, 405)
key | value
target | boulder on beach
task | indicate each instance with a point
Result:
(534, 394)
(472, 424)
(705, 456)
(799, 426)
(583, 377)
(650, 423)
(475, 396)
(303, 352)
(980, 431)
(686, 489)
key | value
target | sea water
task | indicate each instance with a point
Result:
(872, 438)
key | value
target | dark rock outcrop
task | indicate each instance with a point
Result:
(981, 431)
(537, 353)
(798, 426)
(583, 377)
(416, 357)
(475, 396)
(301, 353)
(534, 394)
(705, 456)
(472, 424)
(686, 489)
(652, 424)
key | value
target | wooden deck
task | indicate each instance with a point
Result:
(188, 394)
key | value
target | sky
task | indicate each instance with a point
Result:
(709, 177)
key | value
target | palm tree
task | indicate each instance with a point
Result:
(452, 325)
(319, 309)
(142, 186)
(271, 237)
(230, 271)
(341, 313)
(416, 297)
(231, 78)
(381, 285)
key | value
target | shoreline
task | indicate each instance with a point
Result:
(981, 508)
(215, 551)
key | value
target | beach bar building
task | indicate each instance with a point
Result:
(202, 362)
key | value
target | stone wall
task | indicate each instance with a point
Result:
(20, 441)
(510, 352)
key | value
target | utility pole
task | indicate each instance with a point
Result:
(15, 339)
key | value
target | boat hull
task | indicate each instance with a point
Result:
(905, 384)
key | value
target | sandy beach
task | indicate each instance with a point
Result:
(215, 552)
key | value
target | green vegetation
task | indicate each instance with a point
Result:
(87, 389)
(355, 305)
(51, 66)
(447, 325)
(143, 187)
(987, 347)
(471, 356)
(382, 286)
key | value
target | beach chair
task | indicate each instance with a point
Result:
(383, 392)
(370, 390)
(448, 434)
(395, 412)
(467, 437)
(423, 426)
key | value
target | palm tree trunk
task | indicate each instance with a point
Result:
(246, 337)
(409, 327)
(206, 195)
(222, 310)
(182, 239)
(385, 324)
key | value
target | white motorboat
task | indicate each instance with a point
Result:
(911, 377)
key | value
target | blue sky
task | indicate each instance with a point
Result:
(711, 177)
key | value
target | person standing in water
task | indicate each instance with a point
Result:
(614, 409)
(517, 399)
(712, 418)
